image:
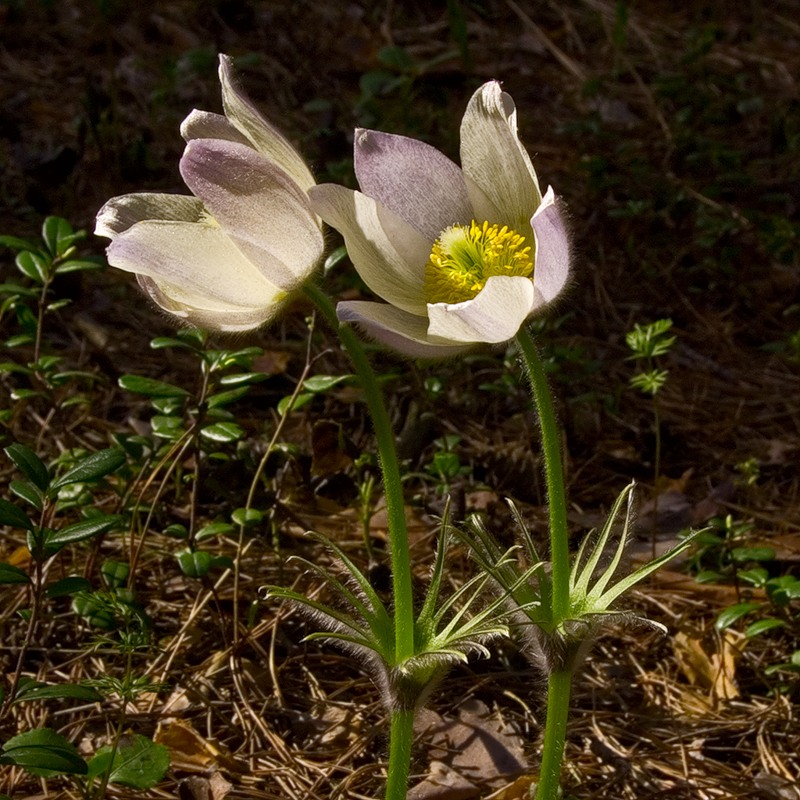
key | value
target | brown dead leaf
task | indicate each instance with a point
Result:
(443, 783)
(189, 751)
(520, 789)
(197, 787)
(331, 452)
(481, 749)
(272, 362)
(714, 672)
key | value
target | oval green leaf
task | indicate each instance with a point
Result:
(94, 466)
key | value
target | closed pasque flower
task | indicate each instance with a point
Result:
(461, 256)
(229, 256)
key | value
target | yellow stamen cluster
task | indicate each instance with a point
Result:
(464, 257)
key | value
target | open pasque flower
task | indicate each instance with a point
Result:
(227, 257)
(460, 255)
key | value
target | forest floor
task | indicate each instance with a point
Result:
(672, 133)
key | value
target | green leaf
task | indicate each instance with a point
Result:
(34, 266)
(224, 398)
(742, 554)
(335, 258)
(43, 752)
(214, 529)
(321, 383)
(222, 432)
(58, 235)
(295, 402)
(115, 573)
(25, 394)
(138, 765)
(708, 576)
(755, 577)
(734, 613)
(33, 690)
(763, 625)
(29, 464)
(94, 611)
(161, 342)
(167, 427)
(240, 378)
(247, 517)
(11, 574)
(150, 387)
(28, 492)
(15, 243)
(78, 265)
(67, 586)
(194, 563)
(13, 516)
(92, 467)
(81, 530)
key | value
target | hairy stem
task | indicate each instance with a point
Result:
(401, 738)
(554, 474)
(402, 722)
(559, 683)
(559, 680)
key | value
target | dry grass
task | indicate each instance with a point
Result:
(673, 137)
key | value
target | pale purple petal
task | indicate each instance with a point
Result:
(119, 213)
(387, 252)
(494, 315)
(494, 158)
(206, 312)
(264, 137)
(258, 205)
(397, 330)
(205, 125)
(198, 257)
(412, 179)
(552, 250)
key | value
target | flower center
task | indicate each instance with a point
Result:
(465, 256)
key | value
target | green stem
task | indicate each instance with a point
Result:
(402, 721)
(559, 684)
(401, 738)
(556, 491)
(392, 486)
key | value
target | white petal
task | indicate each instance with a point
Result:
(552, 250)
(396, 329)
(412, 179)
(205, 125)
(494, 315)
(266, 139)
(119, 213)
(258, 205)
(206, 312)
(198, 257)
(389, 255)
(493, 157)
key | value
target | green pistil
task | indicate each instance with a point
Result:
(464, 257)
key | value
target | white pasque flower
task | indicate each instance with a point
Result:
(227, 257)
(460, 255)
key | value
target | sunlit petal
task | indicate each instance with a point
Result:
(493, 157)
(552, 250)
(388, 254)
(196, 256)
(494, 315)
(204, 311)
(258, 205)
(119, 213)
(206, 125)
(412, 179)
(403, 332)
(264, 137)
